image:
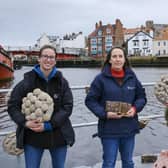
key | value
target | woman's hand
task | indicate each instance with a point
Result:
(112, 115)
(131, 112)
(35, 125)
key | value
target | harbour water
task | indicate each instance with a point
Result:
(87, 150)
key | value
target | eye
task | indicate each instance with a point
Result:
(114, 56)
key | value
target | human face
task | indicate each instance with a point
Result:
(117, 59)
(47, 59)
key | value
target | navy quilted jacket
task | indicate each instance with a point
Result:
(105, 88)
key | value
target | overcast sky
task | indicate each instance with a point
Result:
(23, 21)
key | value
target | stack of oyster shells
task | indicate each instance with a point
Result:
(37, 105)
(161, 89)
(9, 144)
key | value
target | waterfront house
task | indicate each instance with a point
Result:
(160, 43)
(140, 44)
(70, 43)
(104, 37)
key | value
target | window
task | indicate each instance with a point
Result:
(145, 42)
(93, 50)
(164, 52)
(135, 42)
(108, 39)
(108, 30)
(158, 43)
(93, 40)
(164, 43)
(108, 48)
(99, 48)
(99, 41)
(136, 51)
(99, 33)
(158, 52)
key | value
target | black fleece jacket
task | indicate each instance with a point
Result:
(58, 88)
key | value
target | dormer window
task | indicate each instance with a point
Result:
(99, 33)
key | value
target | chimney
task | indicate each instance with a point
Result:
(96, 25)
(118, 21)
(100, 23)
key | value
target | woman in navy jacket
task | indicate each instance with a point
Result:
(118, 83)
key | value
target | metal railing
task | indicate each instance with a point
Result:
(80, 87)
(90, 123)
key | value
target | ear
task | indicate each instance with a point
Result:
(110, 61)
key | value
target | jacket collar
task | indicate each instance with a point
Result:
(40, 73)
(106, 71)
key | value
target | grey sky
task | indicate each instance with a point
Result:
(23, 21)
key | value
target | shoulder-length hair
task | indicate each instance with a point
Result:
(108, 57)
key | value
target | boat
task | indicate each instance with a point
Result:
(6, 66)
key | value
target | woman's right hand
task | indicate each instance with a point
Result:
(35, 125)
(112, 115)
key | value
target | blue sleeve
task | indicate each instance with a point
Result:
(47, 126)
(140, 96)
(93, 97)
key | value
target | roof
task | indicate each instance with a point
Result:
(103, 27)
(138, 33)
(131, 30)
(163, 34)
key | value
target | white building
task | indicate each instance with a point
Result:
(72, 44)
(140, 44)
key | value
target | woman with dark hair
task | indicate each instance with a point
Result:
(116, 97)
(55, 134)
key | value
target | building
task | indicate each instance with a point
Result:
(140, 44)
(157, 28)
(160, 43)
(104, 37)
(46, 39)
(71, 44)
(128, 33)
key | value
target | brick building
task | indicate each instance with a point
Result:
(104, 37)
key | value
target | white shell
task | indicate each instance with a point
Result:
(161, 89)
(37, 105)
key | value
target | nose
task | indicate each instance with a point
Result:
(117, 58)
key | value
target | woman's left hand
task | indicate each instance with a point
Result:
(131, 112)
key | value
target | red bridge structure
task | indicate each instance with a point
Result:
(31, 55)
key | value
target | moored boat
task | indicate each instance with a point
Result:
(6, 66)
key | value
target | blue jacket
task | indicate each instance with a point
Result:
(105, 87)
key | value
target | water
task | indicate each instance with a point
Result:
(87, 151)
(83, 76)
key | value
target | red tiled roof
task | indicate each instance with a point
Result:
(163, 34)
(103, 27)
(131, 30)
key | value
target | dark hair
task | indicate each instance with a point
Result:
(108, 57)
(46, 47)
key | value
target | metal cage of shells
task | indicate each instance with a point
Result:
(9, 144)
(37, 105)
(161, 89)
